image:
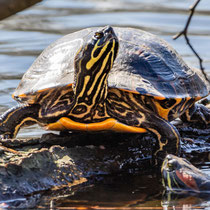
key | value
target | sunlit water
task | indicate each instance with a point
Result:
(25, 35)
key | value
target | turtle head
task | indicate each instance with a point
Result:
(98, 53)
(94, 60)
(179, 174)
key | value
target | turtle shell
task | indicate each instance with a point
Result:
(144, 64)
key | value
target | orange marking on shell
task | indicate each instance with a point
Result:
(130, 91)
(187, 180)
(188, 98)
(119, 127)
(46, 89)
(72, 125)
(136, 92)
(100, 126)
(159, 97)
(110, 124)
(29, 98)
(161, 111)
(42, 90)
(57, 126)
(22, 95)
(198, 98)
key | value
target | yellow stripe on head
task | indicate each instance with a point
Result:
(92, 65)
(93, 59)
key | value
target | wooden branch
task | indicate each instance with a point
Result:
(10, 7)
(184, 33)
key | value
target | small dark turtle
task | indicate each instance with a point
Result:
(179, 174)
(73, 85)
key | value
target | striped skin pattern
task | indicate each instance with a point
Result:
(60, 105)
(180, 175)
(15, 118)
(123, 105)
(127, 107)
(91, 76)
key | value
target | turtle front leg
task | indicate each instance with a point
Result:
(168, 138)
(13, 119)
(197, 113)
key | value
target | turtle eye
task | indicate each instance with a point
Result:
(98, 35)
(172, 165)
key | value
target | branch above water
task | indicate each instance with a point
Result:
(184, 33)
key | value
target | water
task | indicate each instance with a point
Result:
(25, 35)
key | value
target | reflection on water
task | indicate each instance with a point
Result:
(136, 192)
(26, 34)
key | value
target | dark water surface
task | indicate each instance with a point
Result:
(25, 35)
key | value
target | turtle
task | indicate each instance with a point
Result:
(109, 79)
(179, 175)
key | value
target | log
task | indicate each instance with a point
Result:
(35, 165)
(10, 7)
